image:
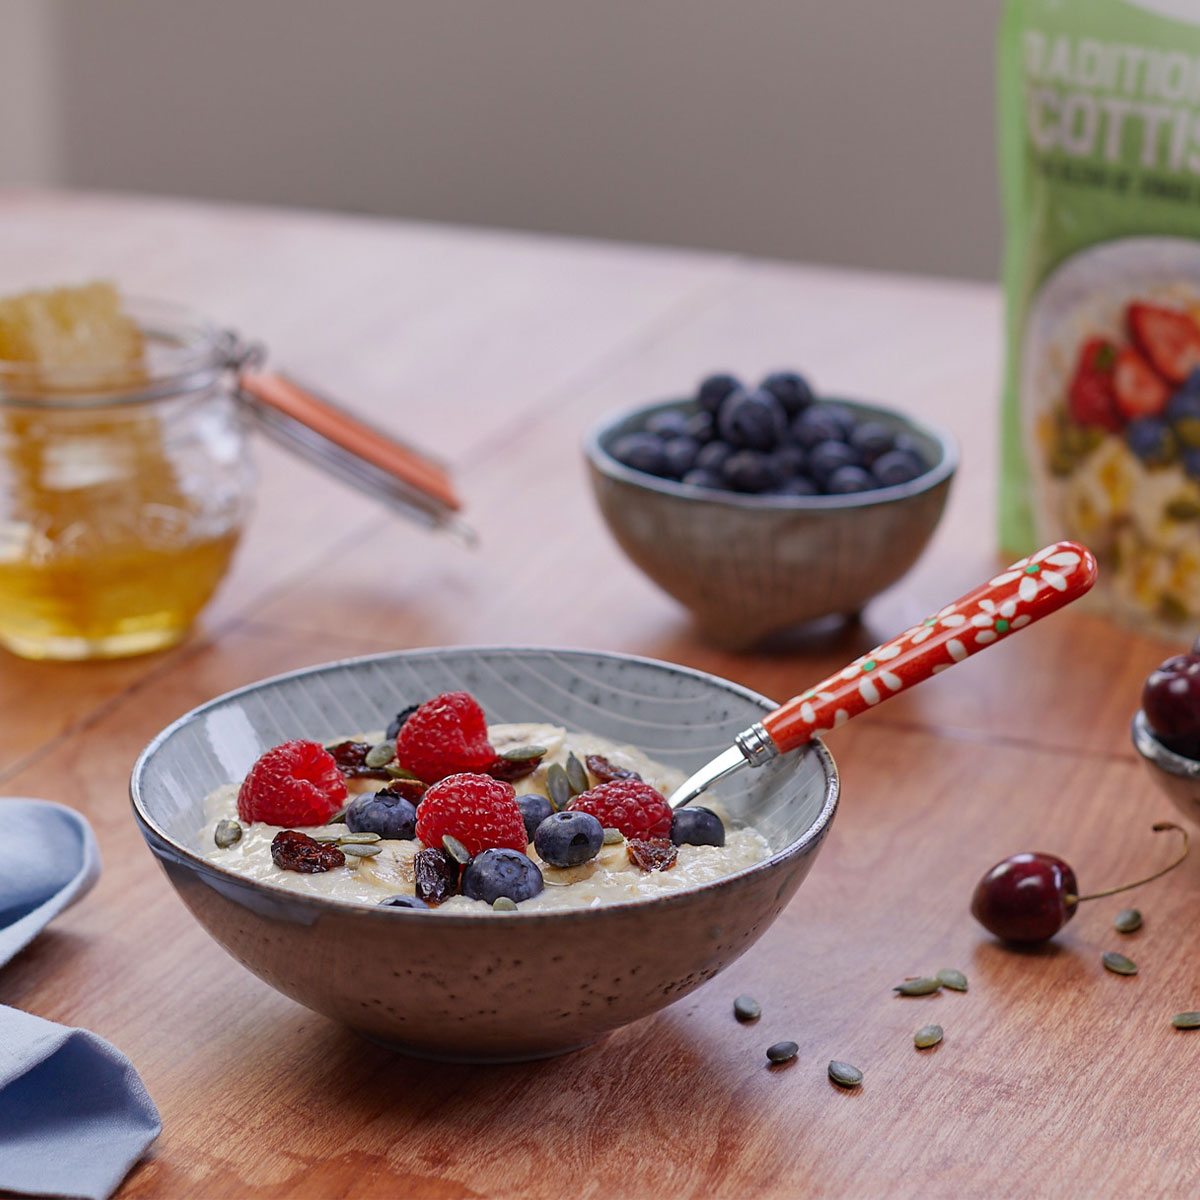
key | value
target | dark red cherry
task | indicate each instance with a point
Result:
(1026, 898)
(1171, 699)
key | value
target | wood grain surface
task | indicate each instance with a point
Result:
(496, 351)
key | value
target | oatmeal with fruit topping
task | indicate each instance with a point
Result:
(443, 811)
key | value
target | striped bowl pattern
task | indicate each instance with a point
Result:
(485, 988)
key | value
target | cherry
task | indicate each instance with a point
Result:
(1171, 702)
(1030, 897)
(1026, 898)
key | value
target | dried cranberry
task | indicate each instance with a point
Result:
(436, 875)
(351, 761)
(652, 854)
(408, 789)
(606, 771)
(295, 851)
(509, 770)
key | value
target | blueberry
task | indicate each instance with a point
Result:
(714, 389)
(501, 872)
(798, 485)
(897, 466)
(534, 810)
(846, 480)
(789, 461)
(1191, 463)
(702, 426)
(702, 477)
(752, 420)
(680, 454)
(641, 451)
(1183, 412)
(382, 813)
(750, 471)
(403, 902)
(909, 445)
(815, 425)
(1151, 440)
(567, 839)
(790, 389)
(397, 722)
(693, 825)
(712, 457)
(667, 424)
(827, 457)
(871, 439)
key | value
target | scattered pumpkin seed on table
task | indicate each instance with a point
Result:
(845, 1075)
(1118, 964)
(782, 1052)
(746, 1008)
(956, 981)
(924, 986)
(927, 1036)
(1127, 920)
(1186, 1020)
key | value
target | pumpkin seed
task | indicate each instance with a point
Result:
(746, 1008)
(1127, 920)
(227, 833)
(576, 775)
(456, 849)
(917, 987)
(339, 816)
(1118, 963)
(928, 1035)
(397, 772)
(843, 1074)
(1183, 509)
(504, 904)
(380, 755)
(358, 839)
(782, 1052)
(559, 786)
(356, 850)
(613, 836)
(956, 981)
(1186, 1020)
(524, 753)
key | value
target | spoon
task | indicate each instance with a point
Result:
(1030, 589)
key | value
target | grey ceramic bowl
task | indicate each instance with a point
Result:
(496, 986)
(748, 566)
(1179, 777)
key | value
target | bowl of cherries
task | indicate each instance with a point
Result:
(763, 507)
(1166, 729)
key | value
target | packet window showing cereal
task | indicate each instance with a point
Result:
(1099, 126)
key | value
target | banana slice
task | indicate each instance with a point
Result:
(392, 868)
(562, 876)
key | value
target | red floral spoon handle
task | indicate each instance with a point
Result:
(1029, 590)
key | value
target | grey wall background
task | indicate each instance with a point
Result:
(848, 131)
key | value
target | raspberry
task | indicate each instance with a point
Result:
(480, 811)
(297, 783)
(445, 736)
(635, 808)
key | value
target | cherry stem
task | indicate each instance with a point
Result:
(1126, 886)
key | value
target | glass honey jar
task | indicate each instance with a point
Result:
(123, 491)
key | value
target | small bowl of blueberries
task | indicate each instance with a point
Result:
(760, 508)
(1166, 729)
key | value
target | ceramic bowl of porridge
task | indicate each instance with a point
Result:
(595, 946)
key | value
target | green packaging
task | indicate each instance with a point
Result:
(1099, 136)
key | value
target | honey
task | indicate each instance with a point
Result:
(123, 476)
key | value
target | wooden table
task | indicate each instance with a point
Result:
(497, 351)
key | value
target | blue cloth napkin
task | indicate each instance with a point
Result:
(74, 1116)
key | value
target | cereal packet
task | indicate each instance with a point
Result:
(1099, 125)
